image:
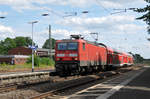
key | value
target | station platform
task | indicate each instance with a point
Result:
(132, 85)
(138, 88)
(20, 77)
(21, 72)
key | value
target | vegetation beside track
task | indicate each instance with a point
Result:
(39, 63)
(23, 67)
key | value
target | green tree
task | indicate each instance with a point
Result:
(46, 44)
(6, 45)
(23, 41)
(10, 43)
(138, 58)
(146, 16)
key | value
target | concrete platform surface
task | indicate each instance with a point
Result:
(131, 85)
(138, 88)
(24, 72)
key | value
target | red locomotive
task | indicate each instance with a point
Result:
(76, 55)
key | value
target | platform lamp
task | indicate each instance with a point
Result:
(33, 22)
(2, 17)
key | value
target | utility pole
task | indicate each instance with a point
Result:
(68, 14)
(50, 43)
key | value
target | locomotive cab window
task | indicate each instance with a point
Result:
(67, 46)
(62, 46)
(83, 46)
(72, 46)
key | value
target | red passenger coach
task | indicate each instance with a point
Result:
(118, 59)
(76, 55)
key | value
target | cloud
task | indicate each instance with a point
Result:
(19, 5)
(4, 29)
(57, 34)
(130, 28)
(6, 32)
(36, 4)
(87, 3)
(114, 24)
(3, 13)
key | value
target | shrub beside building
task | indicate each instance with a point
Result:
(20, 55)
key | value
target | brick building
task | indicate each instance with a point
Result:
(20, 51)
(27, 51)
(19, 55)
(13, 59)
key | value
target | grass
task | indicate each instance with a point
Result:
(144, 63)
(39, 64)
(22, 67)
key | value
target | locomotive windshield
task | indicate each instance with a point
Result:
(62, 46)
(72, 46)
(67, 46)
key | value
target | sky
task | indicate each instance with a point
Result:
(120, 31)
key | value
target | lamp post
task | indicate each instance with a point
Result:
(68, 14)
(32, 45)
(2, 17)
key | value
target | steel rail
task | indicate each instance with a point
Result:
(72, 85)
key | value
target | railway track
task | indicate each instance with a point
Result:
(7, 89)
(80, 82)
(55, 85)
(13, 87)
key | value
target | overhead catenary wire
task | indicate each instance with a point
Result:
(102, 6)
(59, 14)
(123, 10)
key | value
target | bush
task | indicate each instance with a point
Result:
(41, 61)
(46, 61)
(36, 60)
(52, 62)
(3, 64)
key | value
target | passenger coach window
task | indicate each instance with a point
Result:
(83, 46)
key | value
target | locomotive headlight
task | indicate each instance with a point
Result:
(60, 55)
(73, 55)
(58, 59)
(75, 58)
